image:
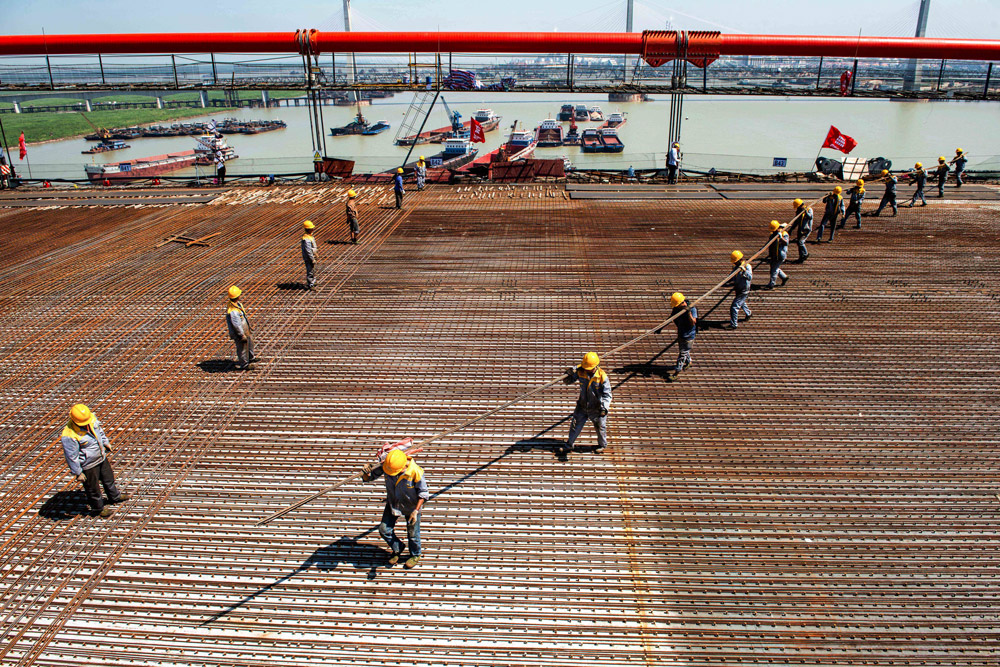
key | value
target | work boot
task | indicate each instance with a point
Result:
(600, 449)
(784, 280)
(672, 378)
(106, 512)
(122, 497)
(747, 318)
(411, 562)
(394, 558)
(857, 226)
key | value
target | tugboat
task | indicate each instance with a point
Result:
(565, 112)
(610, 141)
(487, 119)
(596, 113)
(549, 134)
(581, 112)
(106, 146)
(379, 126)
(614, 120)
(572, 137)
(356, 126)
(590, 141)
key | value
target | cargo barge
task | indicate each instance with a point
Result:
(148, 167)
(549, 134)
(484, 117)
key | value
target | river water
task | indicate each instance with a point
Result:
(724, 132)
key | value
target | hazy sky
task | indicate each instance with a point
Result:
(948, 18)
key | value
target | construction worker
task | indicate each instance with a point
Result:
(777, 252)
(87, 451)
(854, 205)
(919, 177)
(421, 173)
(239, 329)
(741, 287)
(352, 215)
(593, 403)
(804, 222)
(942, 174)
(673, 162)
(889, 196)
(397, 187)
(959, 161)
(687, 329)
(834, 207)
(406, 492)
(309, 253)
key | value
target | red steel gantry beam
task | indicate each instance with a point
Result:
(312, 41)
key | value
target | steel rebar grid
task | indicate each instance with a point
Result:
(747, 512)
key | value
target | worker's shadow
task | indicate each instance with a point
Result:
(65, 505)
(338, 242)
(345, 551)
(217, 365)
(292, 286)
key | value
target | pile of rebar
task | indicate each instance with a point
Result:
(818, 488)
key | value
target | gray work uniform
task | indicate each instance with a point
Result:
(805, 227)
(853, 207)
(889, 197)
(942, 175)
(421, 175)
(920, 178)
(834, 207)
(86, 449)
(777, 252)
(959, 170)
(309, 258)
(402, 493)
(352, 219)
(593, 404)
(239, 331)
(741, 288)
(397, 188)
(687, 329)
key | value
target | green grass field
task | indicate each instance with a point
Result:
(47, 125)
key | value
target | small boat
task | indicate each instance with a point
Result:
(610, 140)
(487, 119)
(356, 126)
(595, 113)
(520, 146)
(581, 112)
(457, 153)
(565, 112)
(378, 126)
(549, 133)
(146, 167)
(614, 120)
(572, 137)
(210, 146)
(590, 141)
(107, 146)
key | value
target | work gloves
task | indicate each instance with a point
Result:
(81, 478)
(366, 472)
(570, 376)
(604, 412)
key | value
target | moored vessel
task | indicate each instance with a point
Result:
(549, 133)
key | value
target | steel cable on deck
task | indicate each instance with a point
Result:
(793, 223)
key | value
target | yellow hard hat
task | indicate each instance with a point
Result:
(941, 159)
(735, 256)
(352, 193)
(677, 144)
(590, 361)
(959, 150)
(885, 172)
(919, 165)
(234, 292)
(399, 170)
(81, 415)
(861, 181)
(837, 190)
(308, 224)
(774, 225)
(395, 462)
(797, 203)
(676, 299)
(421, 158)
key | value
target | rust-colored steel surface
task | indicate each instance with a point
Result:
(820, 487)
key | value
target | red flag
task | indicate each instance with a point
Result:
(24, 149)
(838, 141)
(476, 134)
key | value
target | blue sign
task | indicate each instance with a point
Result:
(125, 166)
(780, 162)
